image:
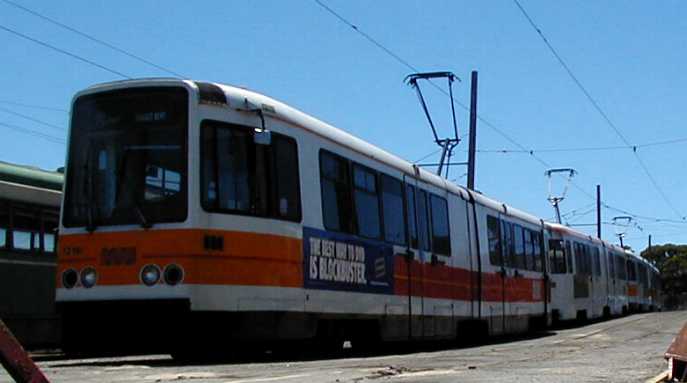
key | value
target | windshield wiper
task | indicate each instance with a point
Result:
(141, 217)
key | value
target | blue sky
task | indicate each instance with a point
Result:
(629, 55)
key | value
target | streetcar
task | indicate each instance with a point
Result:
(199, 213)
(29, 214)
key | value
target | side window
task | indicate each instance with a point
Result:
(597, 262)
(337, 208)
(227, 169)
(588, 259)
(556, 256)
(241, 177)
(26, 230)
(641, 274)
(423, 219)
(392, 205)
(22, 240)
(519, 247)
(537, 243)
(529, 249)
(366, 197)
(579, 258)
(288, 199)
(611, 264)
(621, 267)
(412, 218)
(494, 237)
(441, 241)
(631, 273)
(507, 244)
(49, 233)
(569, 256)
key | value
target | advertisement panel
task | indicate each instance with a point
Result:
(337, 261)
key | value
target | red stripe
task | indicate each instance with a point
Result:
(445, 282)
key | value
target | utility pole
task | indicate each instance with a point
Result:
(649, 242)
(598, 211)
(473, 131)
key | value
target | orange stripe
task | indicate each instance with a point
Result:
(259, 260)
(247, 258)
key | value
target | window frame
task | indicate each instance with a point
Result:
(382, 191)
(352, 226)
(539, 259)
(519, 241)
(413, 238)
(444, 202)
(508, 244)
(270, 173)
(421, 195)
(354, 189)
(528, 242)
(35, 217)
(596, 261)
(556, 255)
(495, 258)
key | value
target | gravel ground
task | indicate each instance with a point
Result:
(627, 349)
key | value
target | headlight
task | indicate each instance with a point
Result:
(173, 275)
(69, 278)
(150, 275)
(88, 277)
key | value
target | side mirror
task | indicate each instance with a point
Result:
(262, 137)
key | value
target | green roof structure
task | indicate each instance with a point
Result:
(31, 176)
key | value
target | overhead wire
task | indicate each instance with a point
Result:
(576, 210)
(21, 115)
(428, 155)
(64, 52)
(601, 112)
(92, 38)
(587, 149)
(34, 133)
(24, 105)
(433, 84)
(479, 117)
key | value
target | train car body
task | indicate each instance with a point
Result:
(196, 211)
(203, 206)
(579, 274)
(633, 286)
(617, 280)
(29, 214)
(646, 294)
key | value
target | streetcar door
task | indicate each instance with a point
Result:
(509, 274)
(599, 290)
(524, 291)
(438, 314)
(493, 276)
(583, 277)
(418, 242)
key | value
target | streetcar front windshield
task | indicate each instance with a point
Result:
(127, 159)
